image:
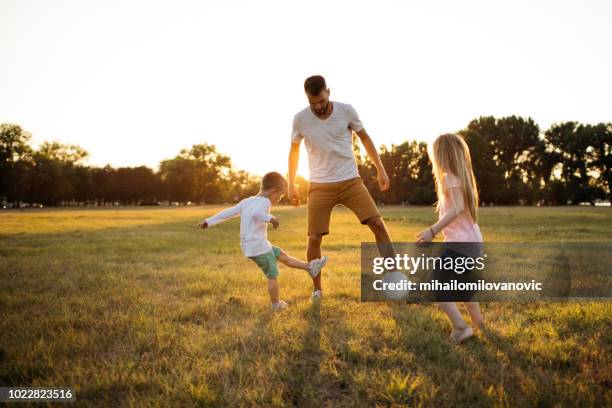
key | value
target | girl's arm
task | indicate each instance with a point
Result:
(221, 216)
(457, 208)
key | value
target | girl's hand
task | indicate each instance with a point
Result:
(203, 225)
(425, 236)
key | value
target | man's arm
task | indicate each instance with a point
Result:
(294, 158)
(383, 179)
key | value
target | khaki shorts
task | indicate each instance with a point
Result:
(323, 197)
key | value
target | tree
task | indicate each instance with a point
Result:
(518, 153)
(104, 180)
(492, 186)
(239, 185)
(409, 172)
(15, 158)
(423, 190)
(135, 184)
(50, 178)
(195, 175)
(580, 158)
(601, 157)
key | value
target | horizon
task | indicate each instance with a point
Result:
(231, 75)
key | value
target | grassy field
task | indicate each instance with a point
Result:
(135, 307)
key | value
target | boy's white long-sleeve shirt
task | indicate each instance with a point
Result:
(254, 215)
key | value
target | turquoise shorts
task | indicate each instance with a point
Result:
(267, 262)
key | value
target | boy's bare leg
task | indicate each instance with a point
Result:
(313, 251)
(273, 290)
(292, 262)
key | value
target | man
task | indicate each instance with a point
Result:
(326, 128)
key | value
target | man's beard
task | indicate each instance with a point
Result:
(323, 110)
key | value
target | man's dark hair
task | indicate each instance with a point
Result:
(273, 180)
(314, 85)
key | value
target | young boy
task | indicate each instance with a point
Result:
(255, 215)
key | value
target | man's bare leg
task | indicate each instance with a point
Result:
(313, 251)
(383, 240)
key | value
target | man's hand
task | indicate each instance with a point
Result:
(275, 222)
(294, 195)
(383, 180)
(203, 224)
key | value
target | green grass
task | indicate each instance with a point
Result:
(134, 307)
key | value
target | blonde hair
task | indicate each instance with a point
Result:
(450, 154)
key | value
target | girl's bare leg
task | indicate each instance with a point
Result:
(474, 310)
(453, 313)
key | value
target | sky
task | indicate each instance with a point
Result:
(134, 82)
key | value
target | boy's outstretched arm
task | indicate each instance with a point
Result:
(224, 215)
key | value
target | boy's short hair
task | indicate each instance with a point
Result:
(273, 180)
(314, 85)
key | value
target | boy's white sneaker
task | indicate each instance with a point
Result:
(281, 304)
(315, 266)
(459, 335)
(316, 297)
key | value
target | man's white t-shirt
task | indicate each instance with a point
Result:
(254, 215)
(329, 142)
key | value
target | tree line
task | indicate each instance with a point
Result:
(514, 163)
(56, 174)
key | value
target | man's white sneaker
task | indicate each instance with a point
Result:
(315, 266)
(281, 304)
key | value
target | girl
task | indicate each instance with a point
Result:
(457, 208)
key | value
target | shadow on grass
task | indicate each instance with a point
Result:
(301, 386)
(455, 371)
(296, 377)
(488, 369)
